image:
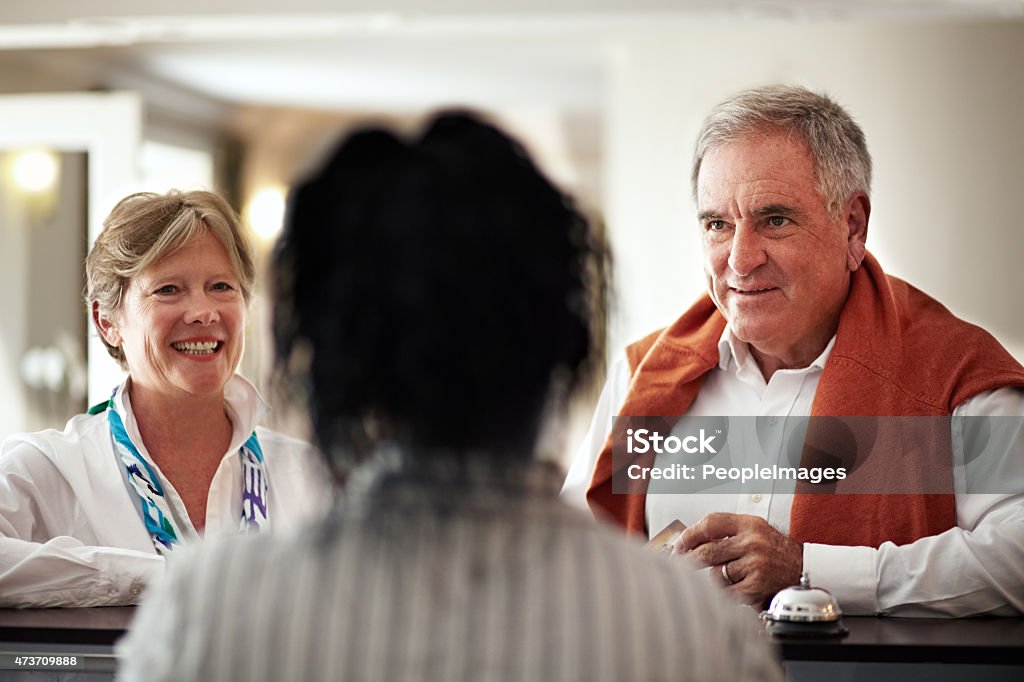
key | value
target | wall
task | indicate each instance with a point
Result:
(13, 275)
(44, 240)
(941, 106)
(943, 202)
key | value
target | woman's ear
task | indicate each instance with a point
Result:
(105, 326)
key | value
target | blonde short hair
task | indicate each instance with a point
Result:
(144, 228)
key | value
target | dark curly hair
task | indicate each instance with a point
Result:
(437, 289)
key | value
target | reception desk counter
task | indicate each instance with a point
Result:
(875, 649)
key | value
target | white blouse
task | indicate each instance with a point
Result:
(71, 530)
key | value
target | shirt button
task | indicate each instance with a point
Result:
(756, 497)
(772, 421)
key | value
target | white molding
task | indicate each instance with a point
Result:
(108, 127)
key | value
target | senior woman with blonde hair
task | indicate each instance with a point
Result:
(87, 515)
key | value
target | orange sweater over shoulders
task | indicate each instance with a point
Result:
(898, 352)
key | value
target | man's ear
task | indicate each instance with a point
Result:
(106, 326)
(858, 210)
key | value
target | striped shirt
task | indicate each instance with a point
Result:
(444, 574)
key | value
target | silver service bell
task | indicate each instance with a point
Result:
(804, 611)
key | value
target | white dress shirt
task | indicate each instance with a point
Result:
(974, 568)
(71, 530)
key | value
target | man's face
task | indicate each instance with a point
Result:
(777, 264)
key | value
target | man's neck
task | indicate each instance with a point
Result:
(797, 357)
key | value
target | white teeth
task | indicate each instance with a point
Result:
(196, 347)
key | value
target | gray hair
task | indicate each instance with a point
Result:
(145, 227)
(837, 145)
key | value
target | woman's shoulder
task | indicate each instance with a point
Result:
(292, 457)
(301, 484)
(82, 433)
(277, 445)
(47, 460)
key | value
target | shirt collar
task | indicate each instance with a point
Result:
(733, 351)
(245, 407)
(244, 404)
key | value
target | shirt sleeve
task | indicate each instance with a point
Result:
(976, 568)
(581, 469)
(64, 572)
(41, 563)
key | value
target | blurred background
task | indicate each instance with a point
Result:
(99, 98)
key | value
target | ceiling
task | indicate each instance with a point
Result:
(362, 54)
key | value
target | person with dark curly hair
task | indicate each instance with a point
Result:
(437, 295)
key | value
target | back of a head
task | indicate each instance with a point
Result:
(440, 284)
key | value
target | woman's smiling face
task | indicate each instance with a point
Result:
(181, 321)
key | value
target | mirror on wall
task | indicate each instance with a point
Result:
(64, 160)
(44, 227)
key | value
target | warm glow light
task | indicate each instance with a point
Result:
(35, 170)
(266, 211)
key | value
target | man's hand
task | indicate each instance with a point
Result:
(759, 560)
